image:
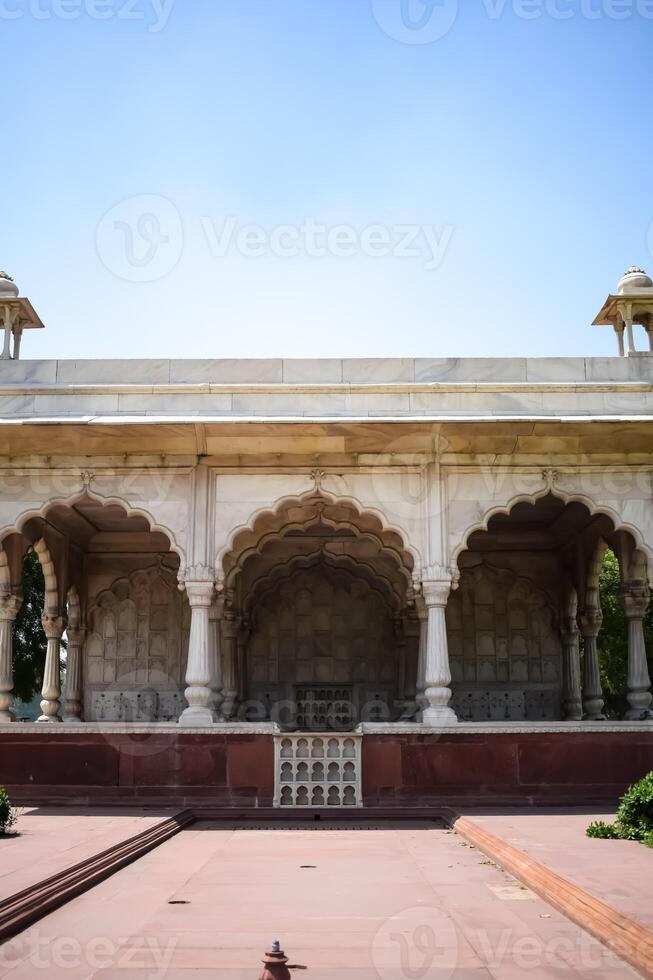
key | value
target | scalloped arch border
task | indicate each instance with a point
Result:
(28, 515)
(283, 573)
(150, 570)
(299, 499)
(567, 498)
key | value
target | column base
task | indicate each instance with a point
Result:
(409, 710)
(50, 719)
(441, 715)
(228, 706)
(196, 717)
(6, 718)
(638, 714)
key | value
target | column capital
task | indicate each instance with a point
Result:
(75, 636)
(420, 608)
(569, 634)
(199, 584)
(436, 591)
(635, 598)
(53, 625)
(216, 610)
(9, 607)
(590, 622)
(231, 625)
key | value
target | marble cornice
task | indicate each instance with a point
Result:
(283, 388)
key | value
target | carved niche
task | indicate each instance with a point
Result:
(504, 648)
(136, 650)
(322, 628)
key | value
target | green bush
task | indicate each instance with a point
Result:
(634, 816)
(635, 813)
(603, 831)
(7, 812)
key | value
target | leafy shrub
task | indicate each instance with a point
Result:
(7, 812)
(603, 830)
(634, 816)
(635, 813)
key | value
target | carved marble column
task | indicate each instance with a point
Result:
(572, 702)
(422, 615)
(619, 330)
(18, 336)
(215, 654)
(73, 704)
(9, 606)
(199, 589)
(53, 627)
(410, 628)
(590, 623)
(230, 630)
(9, 318)
(400, 646)
(243, 637)
(634, 599)
(437, 675)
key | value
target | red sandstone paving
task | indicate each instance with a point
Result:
(618, 872)
(51, 839)
(372, 894)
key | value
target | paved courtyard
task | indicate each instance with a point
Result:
(387, 902)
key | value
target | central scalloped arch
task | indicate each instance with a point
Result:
(279, 520)
(338, 564)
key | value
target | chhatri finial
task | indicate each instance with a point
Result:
(8, 287)
(633, 280)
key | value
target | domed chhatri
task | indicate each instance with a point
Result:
(631, 305)
(634, 280)
(16, 314)
(8, 288)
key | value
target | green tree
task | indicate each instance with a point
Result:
(613, 638)
(29, 639)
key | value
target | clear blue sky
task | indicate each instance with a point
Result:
(522, 144)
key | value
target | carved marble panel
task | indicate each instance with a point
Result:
(316, 631)
(318, 771)
(136, 650)
(504, 648)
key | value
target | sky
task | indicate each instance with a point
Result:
(304, 178)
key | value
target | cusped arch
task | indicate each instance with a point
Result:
(267, 541)
(280, 574)
(247, 536)
(113, 501)
(565, 497)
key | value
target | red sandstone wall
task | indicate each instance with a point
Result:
(238, 770)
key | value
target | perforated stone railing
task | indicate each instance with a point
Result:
(317, 770)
